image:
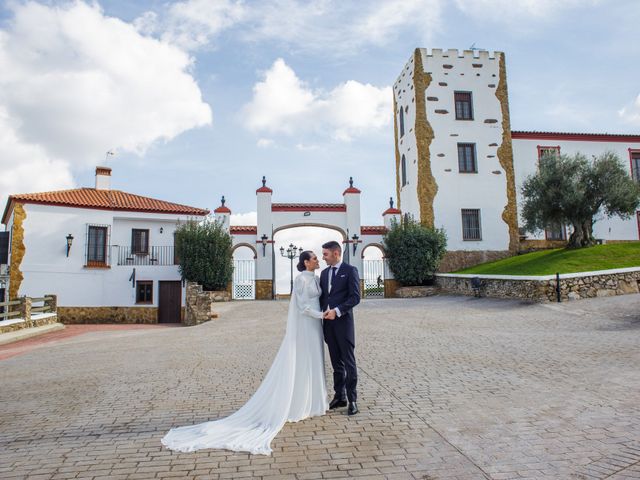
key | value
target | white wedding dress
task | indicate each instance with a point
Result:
(293, 389)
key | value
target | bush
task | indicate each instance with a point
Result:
(204, 254)
(414, 251)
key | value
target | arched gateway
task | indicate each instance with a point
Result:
(273, 217)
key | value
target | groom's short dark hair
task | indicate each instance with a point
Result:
(332, 245)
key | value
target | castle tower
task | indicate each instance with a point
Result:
(454, 160)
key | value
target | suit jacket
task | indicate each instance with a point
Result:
(345, 291)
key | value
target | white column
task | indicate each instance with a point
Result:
(222, 215)
(353, 224)
(390, 216)
(264, 263)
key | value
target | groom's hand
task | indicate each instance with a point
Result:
(330, 314)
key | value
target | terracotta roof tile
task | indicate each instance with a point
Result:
(102, 200)
(373, 230)
(243, 229)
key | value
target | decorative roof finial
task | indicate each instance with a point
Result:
(264, 181)
(350, 182)
(223, 200)
(390, 202)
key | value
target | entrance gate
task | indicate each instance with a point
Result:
(373, 278)
(244, 280)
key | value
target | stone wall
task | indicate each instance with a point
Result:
(415, 292)
(543, 289)
(390, 287)
(79, 315)
(459, 259)
(199, 308)
(264, 289)
(35, 322)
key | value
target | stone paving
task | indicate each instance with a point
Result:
(450, 388)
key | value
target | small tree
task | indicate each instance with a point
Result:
(414, 251)
(204, 254)
(573, 190)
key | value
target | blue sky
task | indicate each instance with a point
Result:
(201, 98)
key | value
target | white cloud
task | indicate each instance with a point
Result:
(75, 83)
(265, 143)
(508, 11)
(283, 103)
(631, 113)
(332, 26)
(193, 24)
(248, 218)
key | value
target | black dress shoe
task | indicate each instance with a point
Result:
(337, 403)
(353, 408)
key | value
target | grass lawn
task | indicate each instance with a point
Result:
(548, 262)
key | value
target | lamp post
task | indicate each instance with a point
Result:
(69, 243)
(290, 253)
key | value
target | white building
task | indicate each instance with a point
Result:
(107, 254)
(529, 147)
(460, 167)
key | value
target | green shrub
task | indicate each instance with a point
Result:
(414, 251)
(204, 254)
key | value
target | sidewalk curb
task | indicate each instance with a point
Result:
(25, 333)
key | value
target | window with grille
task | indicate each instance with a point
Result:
(403, 174)
(555, 232)
(544, 151)
(140, 241)
(471, 224)
(464, 107)
(97, 245)
(467, 158)
(635, 165)
(144, 291)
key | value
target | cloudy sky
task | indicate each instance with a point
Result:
(200, 98)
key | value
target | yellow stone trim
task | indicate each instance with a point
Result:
(395, 134)
(17, 250)
(427, 187)
(505, 156)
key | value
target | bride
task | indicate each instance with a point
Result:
(293, 389)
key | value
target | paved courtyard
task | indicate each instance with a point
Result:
(450, 387)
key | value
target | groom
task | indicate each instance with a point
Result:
(340, 284)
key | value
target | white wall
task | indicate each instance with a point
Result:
(525, 152)
(47, 269)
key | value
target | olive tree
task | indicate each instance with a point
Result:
(573, 190)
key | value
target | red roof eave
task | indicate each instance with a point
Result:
(585, 137)
(308, 207)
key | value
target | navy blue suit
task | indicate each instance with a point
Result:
(340, 333)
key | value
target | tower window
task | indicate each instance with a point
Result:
(464, 106)
(467, 158)
(403, 172)
(401, 122)
(471, 224)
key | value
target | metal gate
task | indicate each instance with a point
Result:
(373, 278)
(244, 280)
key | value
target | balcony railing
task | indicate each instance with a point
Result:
(154, 256)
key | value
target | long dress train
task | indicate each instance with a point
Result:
(293, 389)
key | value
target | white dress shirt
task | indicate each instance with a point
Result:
(337, 266)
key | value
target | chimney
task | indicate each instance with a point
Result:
(103, 178)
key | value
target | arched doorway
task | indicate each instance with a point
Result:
(373, 271)
(244, 272)
(307, 236)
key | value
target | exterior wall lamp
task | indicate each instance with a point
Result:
(264, 239)
(69, 243)
(355, 243)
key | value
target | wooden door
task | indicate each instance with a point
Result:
(169, 302)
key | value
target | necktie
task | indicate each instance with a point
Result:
(333, 276)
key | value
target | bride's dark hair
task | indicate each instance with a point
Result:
(306, 255)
